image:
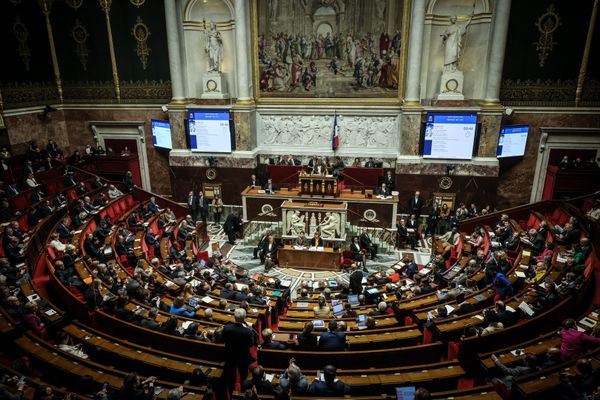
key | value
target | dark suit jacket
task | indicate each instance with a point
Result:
(272, 251)
(332, 341)
(269, 187)
(321, 388)
(63, 231)
(355, 282)
(415, 206)
(238, 340)
(389, 181)
(192, 202)
(412, 224)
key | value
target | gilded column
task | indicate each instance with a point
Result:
(415, 49)
(106, 4)
(46, 5)
(586, 54)
(173, 44)
(496, 61)
(243, 61)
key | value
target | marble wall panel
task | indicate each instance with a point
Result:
(516, 175)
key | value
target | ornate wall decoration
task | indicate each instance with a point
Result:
(329, 48)
(546, 24)
(137, 3)
(28, 93)
(22, 34)
(74, 4)
(141, 33)
(537, 92)
(80, 36)
(146, 91)
(356, 132)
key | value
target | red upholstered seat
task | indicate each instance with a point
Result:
(427, 336)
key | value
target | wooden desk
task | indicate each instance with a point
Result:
(267, 207)
(327, 259)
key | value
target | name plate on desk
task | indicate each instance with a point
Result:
(320, 248)
(262, 191)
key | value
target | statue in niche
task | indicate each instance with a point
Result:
(453, 40)
(214, 48)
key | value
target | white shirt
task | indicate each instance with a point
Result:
(58, 245)
(31, 182)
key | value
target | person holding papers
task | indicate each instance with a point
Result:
(269, 186)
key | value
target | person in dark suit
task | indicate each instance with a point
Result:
(389, 180)
(370, 163)
(192, 203)
(383, 190)
(307, 340)
(63, 229)
(359, 254)
(128, 180)
(232, 226)
(367, 244)
(268, 342)
(152, 206)
(413, 224)
(332, 340)
(238, 339)
(254, 182)
(202, 206)
(415, 204)
(355, 280)
(150, 322)
(91, 245)
(152, 240)
(316, 241)
(269, 252)
(11, 190)
(269, 186)
(329, 386)
(258, 382)
(257, 251)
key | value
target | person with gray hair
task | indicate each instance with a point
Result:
(238, 339)
(175, 394)
(293, 379)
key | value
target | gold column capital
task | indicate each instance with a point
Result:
(105, 4)
(46, 6)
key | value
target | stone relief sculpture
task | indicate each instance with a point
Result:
(296, 223)
(330, 225)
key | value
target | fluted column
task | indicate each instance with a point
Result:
(496, 60)
(415, 49)
(242, 57)
(174, 52)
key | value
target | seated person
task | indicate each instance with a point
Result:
(307, 340)
(383, 190)
(269, 186)
(316, 241)
(258, 382)
(268, 342)
(449, 241)
(367, 244)
(329, 386)
(332, 340)
(359, 254)
(321, 310)
(178, 308)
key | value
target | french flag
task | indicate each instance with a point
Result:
(335, 140)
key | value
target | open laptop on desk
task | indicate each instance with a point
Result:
(353, 300)
(338, 310)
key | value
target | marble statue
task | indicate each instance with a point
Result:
(295, 223)
(214, 48)
(330, 225)
(453, 40)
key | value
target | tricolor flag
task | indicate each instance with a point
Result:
(335, 140)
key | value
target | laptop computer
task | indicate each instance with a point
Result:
(362, 321)
(338, 310)
(193, 302)
(353, 299)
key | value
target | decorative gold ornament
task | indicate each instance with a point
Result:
(211, 174)
(80, 36)
(74, 4)
(446, 182)
(451, 85)
(137, 3)
(22, 33)
(141, 32)
(547, 24)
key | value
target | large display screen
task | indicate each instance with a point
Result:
(209, 131)
(161, 133)
(512, 141)
(449, 135)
